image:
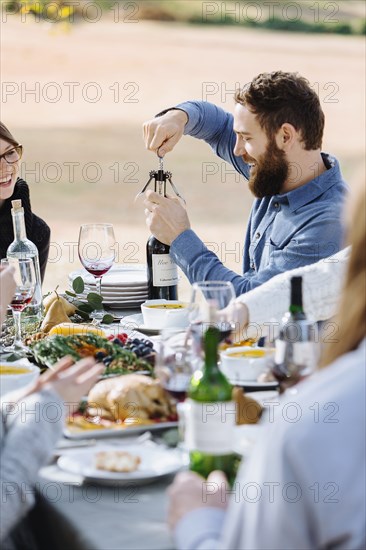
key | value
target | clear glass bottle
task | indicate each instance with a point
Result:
(23, 248)
(297, 346)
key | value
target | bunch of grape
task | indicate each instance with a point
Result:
(140, 347)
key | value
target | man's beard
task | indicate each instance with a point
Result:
(269, 173)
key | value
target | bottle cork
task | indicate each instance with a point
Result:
(17, 204)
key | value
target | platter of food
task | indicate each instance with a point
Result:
(121, 353)
(131, 463)
(123, 405)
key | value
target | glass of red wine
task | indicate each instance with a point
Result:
(25, 278)
(97, 254)
(208, 300)
(174, 362)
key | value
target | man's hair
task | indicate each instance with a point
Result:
(278, 97)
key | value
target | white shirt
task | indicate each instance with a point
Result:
(304, 484)
(322, 286)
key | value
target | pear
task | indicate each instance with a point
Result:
(51, 298)
(56, 314)
(248, 410)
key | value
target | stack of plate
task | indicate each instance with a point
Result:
(124, 286)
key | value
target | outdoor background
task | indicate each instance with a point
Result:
(75, 94)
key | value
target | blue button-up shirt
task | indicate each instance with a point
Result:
(285, 231)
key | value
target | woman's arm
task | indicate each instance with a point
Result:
(322, 285)
(29, 430)
(30, 424)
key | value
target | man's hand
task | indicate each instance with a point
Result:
(236, 314)
(165, 217)
(190, 491)
(161, 134)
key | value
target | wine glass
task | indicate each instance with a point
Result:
(174, 362)
(97, 254)
(208, 300)
(25, 278)
(296, 354)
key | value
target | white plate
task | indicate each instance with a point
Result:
(118, 275)
(114, 292)
(118, 432)
(155, 463)
(136, 322)
(120, 300)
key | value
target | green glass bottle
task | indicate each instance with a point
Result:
(211, 416)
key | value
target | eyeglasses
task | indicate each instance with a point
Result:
(13, 155)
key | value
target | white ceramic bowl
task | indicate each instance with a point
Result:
(159, 318)
(12, 382)
(243, 369)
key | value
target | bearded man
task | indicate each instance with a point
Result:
(274, 139)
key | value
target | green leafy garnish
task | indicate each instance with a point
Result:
(107, 319)
(78, 285)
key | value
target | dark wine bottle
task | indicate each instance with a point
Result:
(296, 347)
(162, 272)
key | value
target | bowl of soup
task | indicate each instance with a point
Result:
(244, 364)
(159, 314)
(17, 374)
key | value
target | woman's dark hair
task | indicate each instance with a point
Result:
(7, 136)
(279, 97)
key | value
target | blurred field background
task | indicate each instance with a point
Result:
(94, 83)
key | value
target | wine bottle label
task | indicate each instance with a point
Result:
(209, 427)
(165, 271)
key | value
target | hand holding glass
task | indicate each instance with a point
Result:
(208, 300)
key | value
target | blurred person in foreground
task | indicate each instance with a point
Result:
(12, 187)
(27, 439)
(274, 140)
(307, 476)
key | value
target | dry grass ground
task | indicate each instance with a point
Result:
(138, 69)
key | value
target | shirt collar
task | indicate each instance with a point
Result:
(315, 187)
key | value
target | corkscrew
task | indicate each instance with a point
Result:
(160, 178)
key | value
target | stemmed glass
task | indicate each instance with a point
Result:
(174, 362)
(25, 278)
(208, 299)
(97, 253)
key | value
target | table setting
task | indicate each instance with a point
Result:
(133, 431)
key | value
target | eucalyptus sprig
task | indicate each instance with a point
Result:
(93, 301)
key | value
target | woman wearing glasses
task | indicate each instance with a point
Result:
(13, 187)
